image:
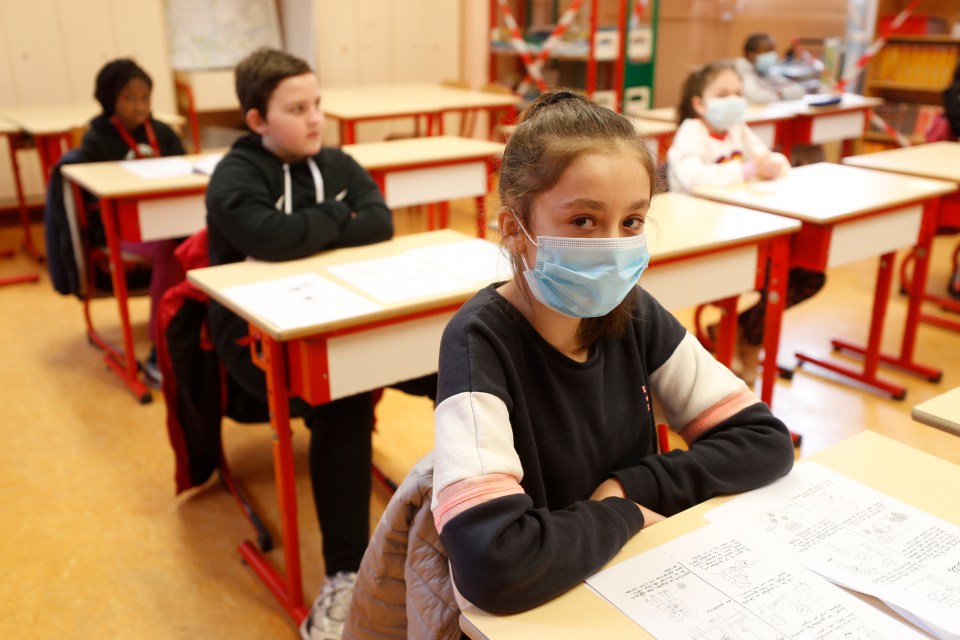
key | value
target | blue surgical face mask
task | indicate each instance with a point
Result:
(585, 277)
(723, 113)
(765, 62)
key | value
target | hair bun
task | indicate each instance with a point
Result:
(549, 99)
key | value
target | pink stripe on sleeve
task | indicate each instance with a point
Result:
(732, 404)
(462, 495)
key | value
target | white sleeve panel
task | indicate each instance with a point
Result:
(692, 384)
(473, 438)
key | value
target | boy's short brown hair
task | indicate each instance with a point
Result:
(257, 75)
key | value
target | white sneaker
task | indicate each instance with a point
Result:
(329, 610)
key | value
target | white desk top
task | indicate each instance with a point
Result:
(826, 193)
(213, 280)
(679, 225)
(385, 100)
(939, 160)
(942, 412)
(111, 180)
(650, 127)
(7, 127)
(53, 119)
(782, 110)
(877, 461)
(433, 149)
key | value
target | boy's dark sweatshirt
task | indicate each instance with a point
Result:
(243, 218)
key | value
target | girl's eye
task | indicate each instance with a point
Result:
(633, 223)
(298, 109)
(582, 222)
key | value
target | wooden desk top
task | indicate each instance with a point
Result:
(782, 110)
(939, 160)
(112, 180)
(433, 149)
(213, 280)
(650, 127)
(895, 469)
(679, 225)
(7, 127)
(385, 100)
(826, 193)
(942, 412)
(53, 119)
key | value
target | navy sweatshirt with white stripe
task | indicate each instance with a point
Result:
(524, 435)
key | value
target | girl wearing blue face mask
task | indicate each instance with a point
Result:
(714, 146)
(545, 458)
(762, 80)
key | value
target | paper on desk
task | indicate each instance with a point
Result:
(207, 163)
(859, 538)
(712, 584)
(397, 278)
(473, 260)
(156, 168)
(300, 301)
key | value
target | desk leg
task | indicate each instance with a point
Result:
(776, 300)
(287, 590)
(128, 369)
(727, 334)
(15, 143)
(49, 148)
(921, 268)
(348, 132)
(868, 375)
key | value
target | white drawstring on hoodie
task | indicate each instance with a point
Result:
(287, 187)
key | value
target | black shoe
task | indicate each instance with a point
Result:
(953, 288)
(151, 371)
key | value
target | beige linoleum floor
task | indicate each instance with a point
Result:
(94, 544)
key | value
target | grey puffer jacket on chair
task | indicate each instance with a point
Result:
(404, 589)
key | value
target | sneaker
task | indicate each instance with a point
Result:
(329, 610)
(151, 370)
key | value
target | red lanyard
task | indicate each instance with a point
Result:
(132, 143)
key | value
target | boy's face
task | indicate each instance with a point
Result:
(133, 104)
(293, 126)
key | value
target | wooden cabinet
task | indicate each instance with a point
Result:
(914, 67)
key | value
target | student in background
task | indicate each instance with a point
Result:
(126, 131)
(714, 146)
(761, 82)
(280, 195)
(545, 459)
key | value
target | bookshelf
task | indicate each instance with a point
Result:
(912, 70)
(607, 50)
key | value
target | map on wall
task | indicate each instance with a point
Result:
(216, 34)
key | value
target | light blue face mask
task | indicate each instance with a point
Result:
(723, 113)
(765, 62)
(585, 277)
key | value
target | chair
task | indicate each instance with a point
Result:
(185, 104)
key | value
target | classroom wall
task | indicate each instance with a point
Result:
(52, 50)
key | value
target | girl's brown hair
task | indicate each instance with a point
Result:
(696, 82)
(553, 131)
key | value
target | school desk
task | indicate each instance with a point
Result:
(137, 209)
(772, 123)
(850, 214)
(844, 122)
(660, 132)
(361, 103)
(942, 412)
(940, 161)
(879, 462)
(704, 251)
(332, 360)
(14, 142)
(51, 126)
(429, 170)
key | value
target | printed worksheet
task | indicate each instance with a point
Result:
(156, 168)
(711, 584)
(474, 260)
(300, 301)
(398, 278)
(859, 538)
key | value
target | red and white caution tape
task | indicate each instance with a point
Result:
(636, 16)
(535, 70)
(875, 47)
(516, 38)
(888, 129)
